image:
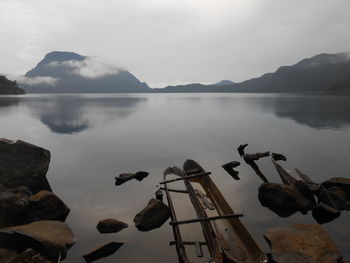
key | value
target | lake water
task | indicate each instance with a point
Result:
(93, 138)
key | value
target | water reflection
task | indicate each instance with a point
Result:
(74, 114)
(9, 101)
(319, 112)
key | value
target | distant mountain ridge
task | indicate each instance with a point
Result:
(8, 87)
(68, 72)
(323, 73)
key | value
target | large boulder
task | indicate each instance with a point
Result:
(23, 164)
(284, 200)
(50, 238)
(124, 177)
(110, 225)
(305, 243)
(154, 215)
(14, 205)
(45, 205)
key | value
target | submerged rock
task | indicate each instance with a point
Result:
(154, 215)
(278, 157)
(324, 213)
(305, 243)
(139, 176)
(49, 238)
(102, 251)
(23, 164)
(45, 205)
(110, 225)
(7, 254)
(284, 200)
(29, 256)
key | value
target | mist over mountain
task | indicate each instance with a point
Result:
(68, 72)
(224, 82)
(8, 87)
(323, 73)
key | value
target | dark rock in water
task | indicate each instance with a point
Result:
(110, 225)
(284, 200)
(7, 254)
(154, 215)
(49, 238)
(139, 176)
(124, 177)
(29, 256)
(45, 205)
(336, 192)
(278, 157)
(324, 213)
(14, 206)
(305, 243)
(23, 164)
(102, 251)
(159, 195)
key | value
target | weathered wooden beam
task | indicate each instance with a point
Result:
(204, 219)
(185, 177)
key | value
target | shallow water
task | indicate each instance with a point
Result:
(94, 137)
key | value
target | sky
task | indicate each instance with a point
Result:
(168, 42)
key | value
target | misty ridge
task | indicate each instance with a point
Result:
(68, 72)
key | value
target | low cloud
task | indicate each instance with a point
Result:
(91, 68)
(49, 81)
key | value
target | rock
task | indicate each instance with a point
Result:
(324, 213)
(49, 238)
(23, 164)
(278, 157)
(337, 192)
(7, 254)
(14, 207)
(29, 256)
(284, 200)
(139, 176)
(124, 177)
(159, 195)
(241, 149)
(45, 205)
(110, 225)
(305, 243)
(154, 215)
(102, 251)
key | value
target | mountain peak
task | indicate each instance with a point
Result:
(60, 56)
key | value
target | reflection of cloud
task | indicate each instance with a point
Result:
(48, 81)
(89, 68)
(73, 114)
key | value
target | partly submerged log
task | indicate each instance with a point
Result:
(102, 251)
(124, 177)
(229, 168)
(305, 243)
(278, 157)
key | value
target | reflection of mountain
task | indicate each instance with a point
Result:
(8, 101)
(320, 112)
(73, 114)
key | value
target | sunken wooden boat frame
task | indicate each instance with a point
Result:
(227, 239)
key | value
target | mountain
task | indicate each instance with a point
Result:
(224, 82)
(9, 87)
(323, 73)
(68, 72)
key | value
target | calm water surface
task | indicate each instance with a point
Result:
(92, 138)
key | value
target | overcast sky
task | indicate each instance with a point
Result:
(174, 41)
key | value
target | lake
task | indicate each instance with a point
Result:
(94, 137)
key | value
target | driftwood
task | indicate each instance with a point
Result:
(228, 167)
(278, 157)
